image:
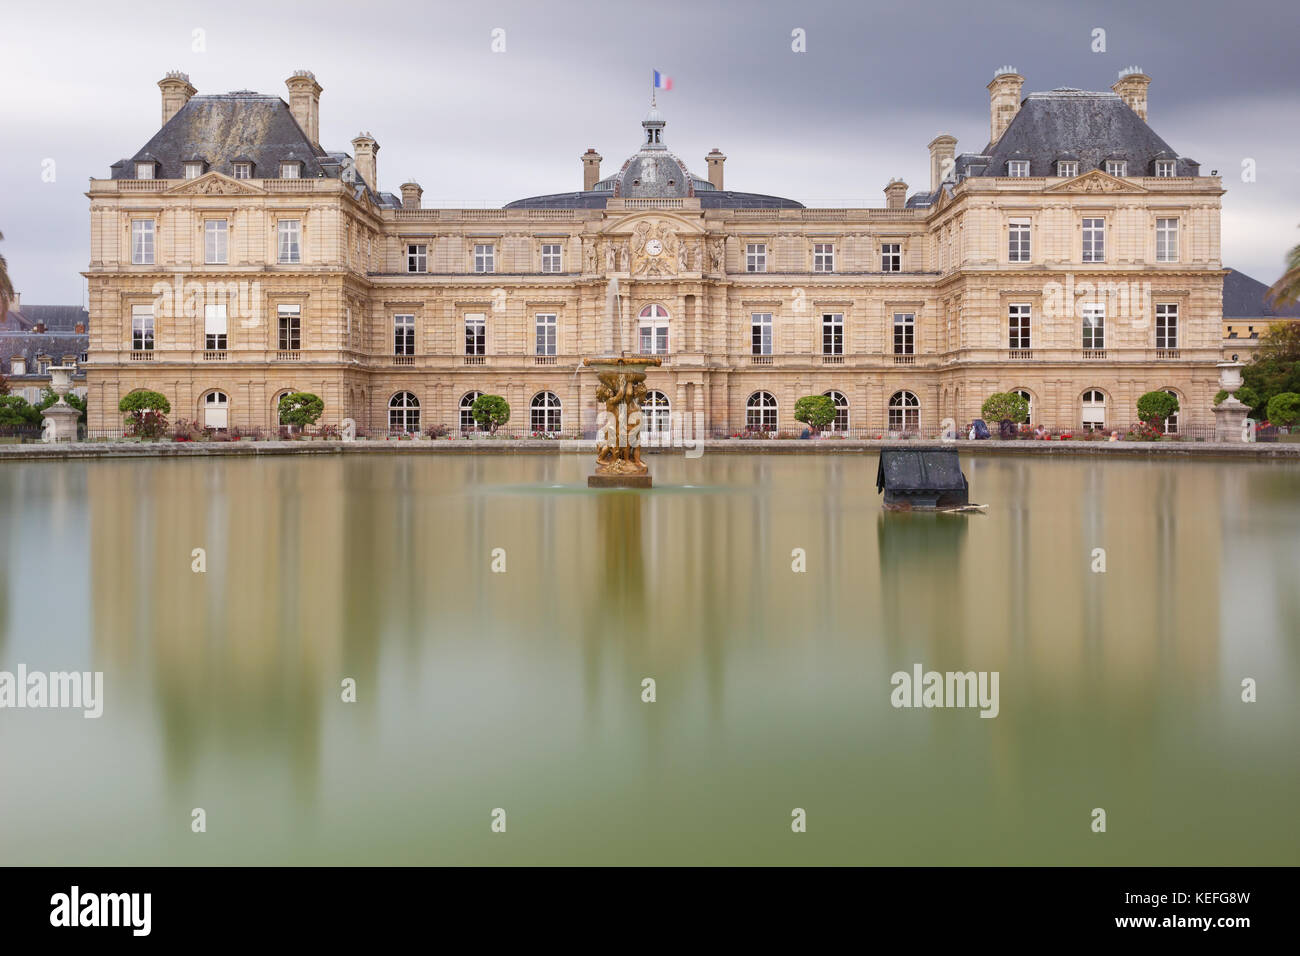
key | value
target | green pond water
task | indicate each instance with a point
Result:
(522, 690)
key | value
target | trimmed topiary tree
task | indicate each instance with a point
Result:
(145, 413)
(1005, 407)
(1154, 407)
(301, 409)
(815, 411)
(1284, 409)
(490, 412)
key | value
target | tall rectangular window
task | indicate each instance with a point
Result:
(760, 324)
(1094, 326)
(551, 257)
(214, 328)
(904, 333)
(756, 257)
(215, 249)
(144, 170)
(546, 326)
(891, 257)
(290, 322)
(1166, 240)
(142, 328)
(142, 242)
(1018, 326)
(417, 258)
(1094, 240)
(485, 258)
(1166, 326)
(475, 333)
(833, 333)
(823, 257)
(290, 246)
(1017, 240)
(403, 335)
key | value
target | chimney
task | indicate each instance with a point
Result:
(715, 159)
(590, 169)
(39, 328)
(304, 103)
(1131, 87)
(176, 92)
(942, 150)
(896, 194)
(1004, 100)
(79, 328)
(411, 193)
(366, 150)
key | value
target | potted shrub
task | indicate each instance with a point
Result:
(145, 413)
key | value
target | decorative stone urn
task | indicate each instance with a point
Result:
(618, 424)
(1230, 414)
(60, 418)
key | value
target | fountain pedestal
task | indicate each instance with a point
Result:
(618, 423)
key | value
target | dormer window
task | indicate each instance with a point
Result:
(1117, 167)
(1018, 168)
(1067, 169)
(193, 169)
(1165, 167)
(18, 366)
(291, 169)
(144, 170)
(243, 170)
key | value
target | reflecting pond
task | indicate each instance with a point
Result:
(521, 688)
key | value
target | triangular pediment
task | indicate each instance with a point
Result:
(1095, 181)
(215, 184)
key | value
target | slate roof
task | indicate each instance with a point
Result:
(57, 318)
(709, 199)
(1069, 124)
(1247, 298)
(241, 126)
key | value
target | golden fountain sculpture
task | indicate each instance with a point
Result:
(618, 434)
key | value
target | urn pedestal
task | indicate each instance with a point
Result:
(1230, 414)
(60, 419)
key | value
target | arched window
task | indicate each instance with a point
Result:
(1094, 409)
(653, 330)
(904, 412)
(404, 413)
(841, 423)
(656, 417)
(760, 412)
(467, 423)
(1171, 423)
(1029, 402)
(545, 412)
(275, 403)
(216, 410)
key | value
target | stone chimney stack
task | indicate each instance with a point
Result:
(411, 193)
(304, 103)
(896, 194)
(366, 151)
(1004, 100)
(590, 169)
(714, 160)
(1131, 87)
(942, 150)
(176, 92)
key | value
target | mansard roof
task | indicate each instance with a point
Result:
(57, 318)
(242, 126)
(1247, 298)
(1093, 127)
(709, 199)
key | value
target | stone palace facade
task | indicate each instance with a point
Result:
(1074, 258)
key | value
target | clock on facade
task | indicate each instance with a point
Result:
(654, 247)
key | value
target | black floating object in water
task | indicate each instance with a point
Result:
(922, 478)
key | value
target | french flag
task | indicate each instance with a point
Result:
(663, 82)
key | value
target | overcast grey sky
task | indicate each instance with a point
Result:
(827, 127)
